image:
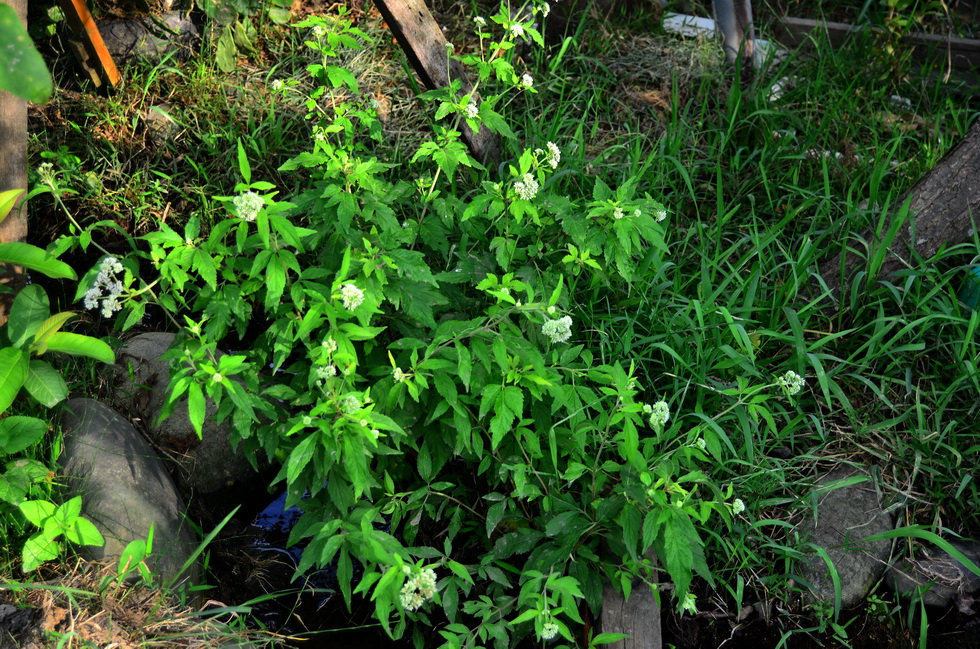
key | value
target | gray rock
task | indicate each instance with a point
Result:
(160, 126)
(943, 581)
(145, 38)
(124, 487)
(844, 517)
(203, 465)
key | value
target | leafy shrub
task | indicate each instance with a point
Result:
(414, 356)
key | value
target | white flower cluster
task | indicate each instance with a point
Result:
(330, 345)
(558, 331)
(549, 629)
(351, 296)
(738, 506)
(618, 213)
(399, 375)
(319, 31)
(247, 205)
(659, 413)
(106, 288)
(554, 155)
(659, 215)
(277, 85)
(527, 187)
(418, 588)
(545, 9)
(324, 372)
(472, 110)
(791, 382)
(351, 404)
(527, 81)
(480, 22)
(517, 30)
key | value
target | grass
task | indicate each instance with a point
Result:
(760, 191)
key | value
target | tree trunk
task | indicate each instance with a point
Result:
(13, 175)
(944, 206)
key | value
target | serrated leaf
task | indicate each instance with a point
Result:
(680, 538)
(299, 458)
(196, 408)
(45, 383)
(37, 550)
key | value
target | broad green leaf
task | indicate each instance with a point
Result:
(13, 372)
(22, 70)
(37, 511)
(7, 201)
(79, 345)
(28, 313)
(82, 532)
(299, 458)
(243, 167)
(45, 384)
(18, 433)
(37, 550)
(50, 326)
(33, 258)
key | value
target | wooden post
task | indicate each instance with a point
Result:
(89, 48)
(13, 175)
(420, 36)
(638, 616)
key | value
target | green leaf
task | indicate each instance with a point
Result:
(18, 433)
(45, 384)
(79, 345)
(37, 550)
(195, 408)
(81, 531)
(680, 539)
(13, 372)
(226, 54)
(32, 257)
(37, 511)
(299, 458)
(22, 70)
(465, 364)
(243, 167)
(7, 201)
(49, 327)
(28, 313)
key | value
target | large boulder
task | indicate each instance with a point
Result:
(124, 488)
(204, 465)
(847, 513)
(938, 577)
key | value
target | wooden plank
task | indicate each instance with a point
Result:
(83, 25)
(420, 37)
(963, 53)
(638, 616)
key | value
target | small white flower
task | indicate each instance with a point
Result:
(701, 444)
(517, 30)
(375, 434)
(618, 213)
(216, 377)
(554, 155)
(106, 289)
(399, 376)
(472, 110)
(791, 383)
(351, 296)
(545, 9)
(738, 506)
(659, 414)
(325, 372)
(527, 80)
(527, 187)
(558, 331)
(247, 205)
(277, 85)
(418, 588)
(307, 420)
(549, 630)
(637, 213)
(551, 310)
(330, 345)
(449, 48)
(659, 215)
(318, 31)
(480, 22)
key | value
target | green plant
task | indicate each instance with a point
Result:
(22, 70)
(31, 330)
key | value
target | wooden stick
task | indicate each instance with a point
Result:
(84, 27)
